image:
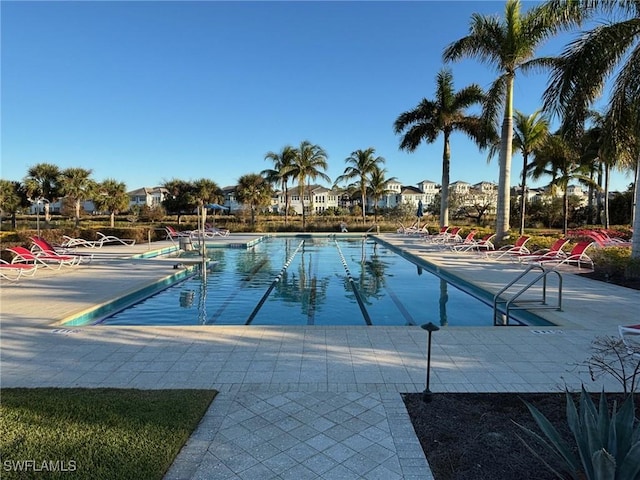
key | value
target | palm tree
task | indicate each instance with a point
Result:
(281, 162)
(76, 183)
(254, 190)
(42, 183)
(362, 165)
(378, 187)
(206, 191)
(181, 198)
(111, 195)
(607, 54)
(309, 164)
(561, 160)
(529, 133)
(509, 45)
(445, 115)
(12, 197)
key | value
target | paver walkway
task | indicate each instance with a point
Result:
(303, 402)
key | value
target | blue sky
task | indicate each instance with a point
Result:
(147, 91)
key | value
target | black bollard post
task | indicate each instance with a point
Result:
(429, 327)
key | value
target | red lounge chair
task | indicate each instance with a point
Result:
(553, 253)
(445, 236)
(467, 241)
(517, 248)
(577, 255)
(42, 246)
(483, 244)
(16, 269)
(22, 255)
(172, 233)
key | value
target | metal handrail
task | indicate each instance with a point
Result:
(509, 304)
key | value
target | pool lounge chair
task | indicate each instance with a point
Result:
(23, 255)
(555, 252)
(445, 235)
(13, 271)
(219, 232)
(172, 233)
(483, 244)
(70, 242)
(41, 246)
(508, 251)
(577, 255)
(102, 239)
(466, 241)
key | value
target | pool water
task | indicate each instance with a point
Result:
(309, 281)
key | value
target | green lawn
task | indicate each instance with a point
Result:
(95, 433)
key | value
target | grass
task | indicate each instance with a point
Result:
(96, 433)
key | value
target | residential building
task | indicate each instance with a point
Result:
(147, 196)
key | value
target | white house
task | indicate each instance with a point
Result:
(147, 196)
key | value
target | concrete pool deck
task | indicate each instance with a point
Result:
(303, 402)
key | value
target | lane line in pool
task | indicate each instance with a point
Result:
(356, 293)
(243, 284)
(403, 310)
(272, 286)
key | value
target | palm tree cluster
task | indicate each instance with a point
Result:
(303, 164)
(46, 183)
(608, 53)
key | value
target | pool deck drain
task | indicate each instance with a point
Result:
(290, 388)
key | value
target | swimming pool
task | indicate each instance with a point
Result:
(309, 281)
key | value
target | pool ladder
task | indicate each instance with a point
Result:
(503, 305)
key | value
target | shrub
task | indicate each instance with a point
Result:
(608, 445)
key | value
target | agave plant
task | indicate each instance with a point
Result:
(608, 446)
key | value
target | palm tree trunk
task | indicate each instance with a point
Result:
(77, 213)
(47, 212)
(444, 197)
(113, 219)
(502, 213)
(286, 204)
(607, 169)
(590, 199)
(304, 218)
(599, 200)
(364, 215)
(635, 213)
(565, 211)
(523, 193)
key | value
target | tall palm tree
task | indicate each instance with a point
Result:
(378, 187)
(529, 133)
(445, 114)
(309, 164)
(362, 164)
(255, 191)
(111, 195)
(76, 183)
(281, 162)
(509, 45)
(560, 159)
(607, 54)
(42, 183)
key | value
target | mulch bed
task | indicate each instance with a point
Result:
(472, 436)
